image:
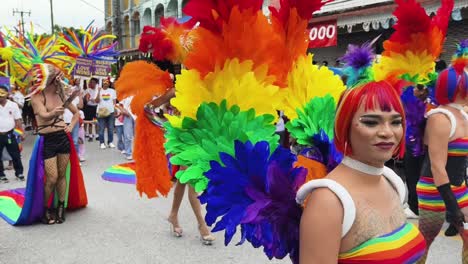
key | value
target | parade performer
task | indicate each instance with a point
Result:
(169, 45)
(442, 190)
(54, 163)
(224, 134)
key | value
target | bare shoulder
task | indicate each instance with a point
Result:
(322, 206)
(321, 228)
(438, 125)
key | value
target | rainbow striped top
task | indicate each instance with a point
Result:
(404, 245)
(429, 197)
(458, 147)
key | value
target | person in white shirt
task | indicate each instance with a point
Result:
(128, 126)
(10, 118)
(18, 98)
(119, 119)
(91, 107)
(106, 99)
(68, 116)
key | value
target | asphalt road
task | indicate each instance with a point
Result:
(119, 226)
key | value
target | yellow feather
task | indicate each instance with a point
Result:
(236, 82)
(306, 81)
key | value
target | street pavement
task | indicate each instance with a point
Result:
(119, 226)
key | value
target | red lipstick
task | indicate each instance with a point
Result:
(385, 145)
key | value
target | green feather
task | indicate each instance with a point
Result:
(215, 130)
(318, 114)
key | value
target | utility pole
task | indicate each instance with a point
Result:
(21, 12)
(52, 16)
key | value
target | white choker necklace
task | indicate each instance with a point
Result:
(362, 167)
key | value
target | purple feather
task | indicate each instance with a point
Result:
(256, 191)
(415, 122)
(358, 57)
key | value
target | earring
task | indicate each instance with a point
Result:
(345, 148)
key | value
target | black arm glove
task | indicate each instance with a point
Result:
(453, 214)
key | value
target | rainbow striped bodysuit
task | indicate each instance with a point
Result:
(404, 245)
(428, 195)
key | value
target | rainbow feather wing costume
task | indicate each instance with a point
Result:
(228, 102)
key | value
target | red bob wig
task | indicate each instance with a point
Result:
(451, 83)
(373, 95)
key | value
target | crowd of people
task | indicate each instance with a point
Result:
(98, 112)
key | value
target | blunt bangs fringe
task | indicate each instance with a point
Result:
(373, 95)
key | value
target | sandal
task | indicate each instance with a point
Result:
(176, 231)
(206, 240)
(60, 213)
(48, 217)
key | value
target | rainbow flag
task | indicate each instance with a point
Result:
(106, 97)
(123, 173)
(18, 133)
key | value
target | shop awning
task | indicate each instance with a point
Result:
(373, 18)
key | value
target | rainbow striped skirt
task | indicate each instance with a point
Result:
(429, 197)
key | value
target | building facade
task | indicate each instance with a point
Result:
(359, 21)
(126, 18)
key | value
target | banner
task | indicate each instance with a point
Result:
(323, 34)
(86, 67)
(102, 67)
(83, 67)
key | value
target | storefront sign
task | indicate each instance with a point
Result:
(324, 34)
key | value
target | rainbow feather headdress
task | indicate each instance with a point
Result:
(93, 43)
(25, 56)
(460, 58)
(417, 42)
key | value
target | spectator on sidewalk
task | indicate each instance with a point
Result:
(106, 99)
(119, 119)
(10, 118)
(90, 97)
(68, 115)
(128, 126)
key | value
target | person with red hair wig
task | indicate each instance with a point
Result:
(363, 198)
(442, 190)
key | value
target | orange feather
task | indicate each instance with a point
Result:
(144, 81)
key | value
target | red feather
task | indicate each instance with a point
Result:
(305, 8)
(213, 13)
(153, 39)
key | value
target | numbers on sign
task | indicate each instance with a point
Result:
(322, 32)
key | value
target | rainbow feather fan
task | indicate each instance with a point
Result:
(417, 42)
(93, 43)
